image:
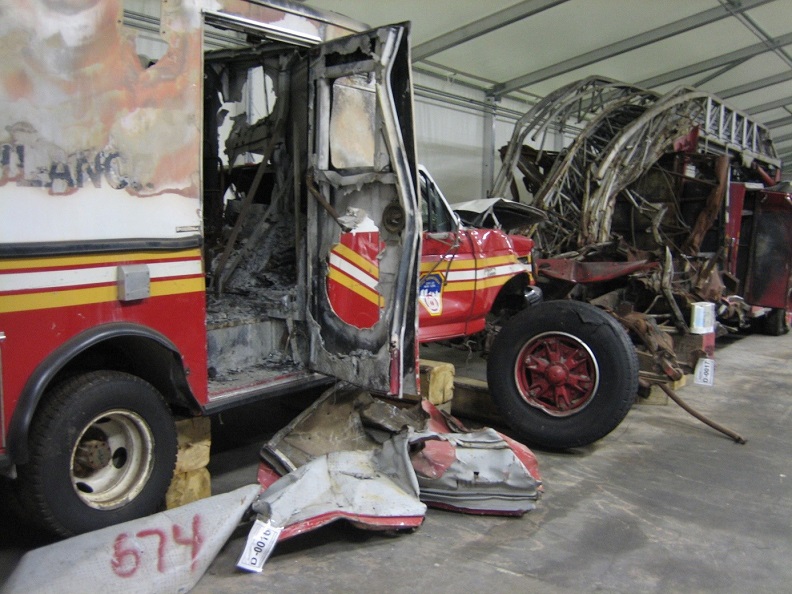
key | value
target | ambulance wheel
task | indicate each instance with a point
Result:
(563, 374)
(102, 451)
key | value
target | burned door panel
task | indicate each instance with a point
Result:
(362, 230)
(769, 283)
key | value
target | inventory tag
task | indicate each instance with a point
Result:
(260, 542)
(705, 372)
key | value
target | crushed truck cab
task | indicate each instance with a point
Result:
(562, 373)
(467, 272)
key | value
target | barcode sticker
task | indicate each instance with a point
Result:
(260, 542)
(705, 372)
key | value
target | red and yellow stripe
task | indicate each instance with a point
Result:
(28, 284)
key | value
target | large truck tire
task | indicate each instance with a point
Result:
(563, 374)
(102, 451)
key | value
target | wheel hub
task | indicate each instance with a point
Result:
(557, 373)
(91, 455)
(112, 459)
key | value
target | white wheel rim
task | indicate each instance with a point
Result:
(112, 459)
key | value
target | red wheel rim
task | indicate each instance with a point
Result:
(557, 373)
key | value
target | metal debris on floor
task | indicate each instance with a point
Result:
(379, 463)
(373, 462)
(162, 553)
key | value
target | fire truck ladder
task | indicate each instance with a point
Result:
(625, 130)
(640, 144)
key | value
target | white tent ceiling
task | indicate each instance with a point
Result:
(740, 50)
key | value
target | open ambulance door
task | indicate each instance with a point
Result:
(363, 233)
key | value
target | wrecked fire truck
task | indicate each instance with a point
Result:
(207, 202)
(562, 373)
(657, 206)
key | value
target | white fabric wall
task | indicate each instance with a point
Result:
(450, 141)
(451, 136)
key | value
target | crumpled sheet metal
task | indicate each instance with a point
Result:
(163, 553)
(428, 455)
(480, 472)
(372, 489)
(334, 423)
(485, 476)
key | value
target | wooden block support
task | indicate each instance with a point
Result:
(472, 400)
(195, 440)
(437, 381)
(191, 480)
(187, 487)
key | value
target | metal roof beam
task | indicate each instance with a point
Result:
(703, 66)
(779, 122)
(756, 85)
(504, 17)
(783, 102)
(754, 28)
(782, 138)
(631, 43)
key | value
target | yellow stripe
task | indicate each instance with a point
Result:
(498, 261)
(467, 264)
(55, 261)
(459, 286)
(91, 295)
(495, 281)
(177, 286)
(357, 260)
(443, 265)
(356, 287)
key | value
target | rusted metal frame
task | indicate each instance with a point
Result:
(646, 207)
(579, 145)
(597, 141)
(690, 410)
(591, 210)
(712, 208)
(584, 150)
(638, 126)
(665, 286)
(650, 135)
(539, 117)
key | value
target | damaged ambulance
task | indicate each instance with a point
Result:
(141, 142)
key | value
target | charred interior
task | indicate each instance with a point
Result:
(255, 120)
(309, 231)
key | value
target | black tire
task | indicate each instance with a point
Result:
(775, 322)
(583, 377)
(102, 451)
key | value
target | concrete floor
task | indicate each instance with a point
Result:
(663, 504)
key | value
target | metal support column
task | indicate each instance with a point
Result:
(488, 142)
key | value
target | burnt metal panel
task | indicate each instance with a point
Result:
(769, 281)
(362, 164)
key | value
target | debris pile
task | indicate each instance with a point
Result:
(656, 203)
(379, 464)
